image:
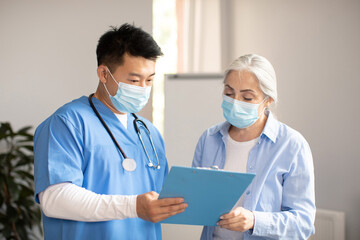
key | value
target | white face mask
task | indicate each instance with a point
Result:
(129, 98)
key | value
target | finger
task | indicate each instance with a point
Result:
(232, 213)
(172, 208)
(235, 219)
(222, 224)
(234, 227)
(227, 221)
(164, 216)
(229, 215)
(169, 201)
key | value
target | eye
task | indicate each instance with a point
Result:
(150, 80)
(248, 99)
(228, 92)
(133, 80)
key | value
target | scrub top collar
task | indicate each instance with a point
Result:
(102, 108)
(114, 123)
(270, 131)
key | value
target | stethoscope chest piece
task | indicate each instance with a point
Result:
(129, 164)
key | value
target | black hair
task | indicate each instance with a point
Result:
(128, 39)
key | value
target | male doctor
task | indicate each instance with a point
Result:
(91, 185)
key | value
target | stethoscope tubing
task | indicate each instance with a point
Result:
(150, 164)
(105, 125)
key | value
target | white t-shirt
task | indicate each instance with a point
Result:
(237, 155)
(122, 118)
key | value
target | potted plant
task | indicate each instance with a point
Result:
(19, 215)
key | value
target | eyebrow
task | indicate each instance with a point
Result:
(227, 85)
(139, 75)
(244, 90)
(247, 90)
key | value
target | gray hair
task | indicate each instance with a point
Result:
(261, 68)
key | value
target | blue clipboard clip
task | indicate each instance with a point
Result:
(209, 193)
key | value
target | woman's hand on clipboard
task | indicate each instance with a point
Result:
(239, 219)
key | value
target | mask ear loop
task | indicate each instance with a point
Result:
(112, 76)
(265, 108)
(112, 79)
(106, 89)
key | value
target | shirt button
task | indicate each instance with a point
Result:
(251, 167)
(248, 192)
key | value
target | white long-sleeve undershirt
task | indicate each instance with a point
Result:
(71, 202)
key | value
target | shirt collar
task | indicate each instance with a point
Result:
(270, 130)
(223, 128)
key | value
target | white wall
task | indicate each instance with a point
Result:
(47, 57)
(314, 46)
(47, 52)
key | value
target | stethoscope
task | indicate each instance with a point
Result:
(129, 164)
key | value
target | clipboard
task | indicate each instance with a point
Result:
(209, 193)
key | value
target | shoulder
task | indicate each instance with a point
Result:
(75, 107)
(217, 129)
(295, 149)
(291, 136)
(215, 132)
(150, 126)
(71, 113)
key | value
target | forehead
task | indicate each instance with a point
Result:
(240, 80)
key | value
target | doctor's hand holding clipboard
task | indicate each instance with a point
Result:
(152, 209)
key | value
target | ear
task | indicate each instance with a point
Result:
(102, 73)
(269, 101)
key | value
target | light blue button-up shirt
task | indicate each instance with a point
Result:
(282, 195)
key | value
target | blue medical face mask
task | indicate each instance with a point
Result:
(240, 114)
(129, 98)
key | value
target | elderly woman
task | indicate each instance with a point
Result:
(280, 202)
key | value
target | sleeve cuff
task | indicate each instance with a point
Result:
(262, 224)
(132, 206)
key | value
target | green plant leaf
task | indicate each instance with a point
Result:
(24, 130)
(11, 213)
(26, 192)
(16, 173)
(22, 231)
(13, 188)
(5, 129)
(7, 232)
(1, 200)
(26, 176)
(28, 147)
(24, 161)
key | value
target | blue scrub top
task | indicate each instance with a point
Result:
(73, 146)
